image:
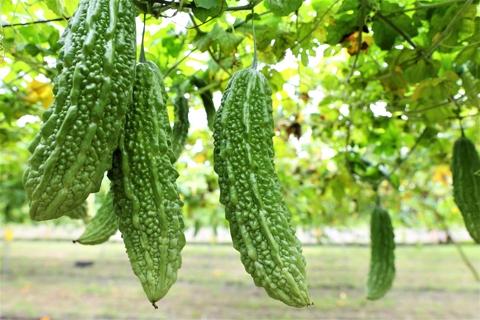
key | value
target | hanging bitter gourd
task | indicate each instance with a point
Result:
(92, 92)
(180, 126)
(145, 195)
(466, 184)
(250, 190)
(382, 255)
(102, 226)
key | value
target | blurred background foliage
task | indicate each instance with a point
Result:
(367, 94)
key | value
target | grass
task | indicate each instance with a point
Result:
(41, 279)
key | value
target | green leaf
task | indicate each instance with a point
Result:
(348, 5)
(344, 25)
(419, 71)
(208, 8)
(218, 40)
(207, 4)
(283, 7)
(56, 6)
(383, 35)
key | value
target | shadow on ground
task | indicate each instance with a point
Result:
(61, 280)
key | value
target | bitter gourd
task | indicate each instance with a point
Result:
(80, 212)
(102, 226)
(382, 256)
(180, 126)
(145, 195)
(250, 190)
(466, 184)
(92, 92)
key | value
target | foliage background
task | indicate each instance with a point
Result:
(367, 94)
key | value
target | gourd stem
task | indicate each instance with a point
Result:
(458, 111)
(377, 197)
(255, 59)
(142, 48)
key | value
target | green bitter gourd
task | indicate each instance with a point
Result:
(180, 126)
(102, 226)
(250, 190)
(92, 92)
(466, 184)
(382, 256)
(143, 179)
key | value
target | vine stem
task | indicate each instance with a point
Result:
(209, 50)
(401, 160)
(459, 248)
(142, 48)
(179, 5)
(255, 57)
(361, 23)
(396, 29)
(25, 24)
(458, 112)
(446, 32)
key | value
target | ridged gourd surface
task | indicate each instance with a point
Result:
(143, 178)
(102, 226)
(250, 190)
(466, 184)
(92, 92)
(382, 256)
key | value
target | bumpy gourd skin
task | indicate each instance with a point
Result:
(102, 226)
(143, 178)
(258, 217)
(92, 92)
(382, 258)
(180, 126)
(466, 184)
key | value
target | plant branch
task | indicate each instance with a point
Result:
(180, 61)
(442, 104)
(396, 29)
(318, 20)
(446, 32)
(179, 5)
(24, 24)
(401, 160)
(423, 7)
(209, 50)
(465, 259)
(361, 25)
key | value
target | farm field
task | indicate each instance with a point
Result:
(60, 280)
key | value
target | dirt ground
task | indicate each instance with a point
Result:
(61, 280)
